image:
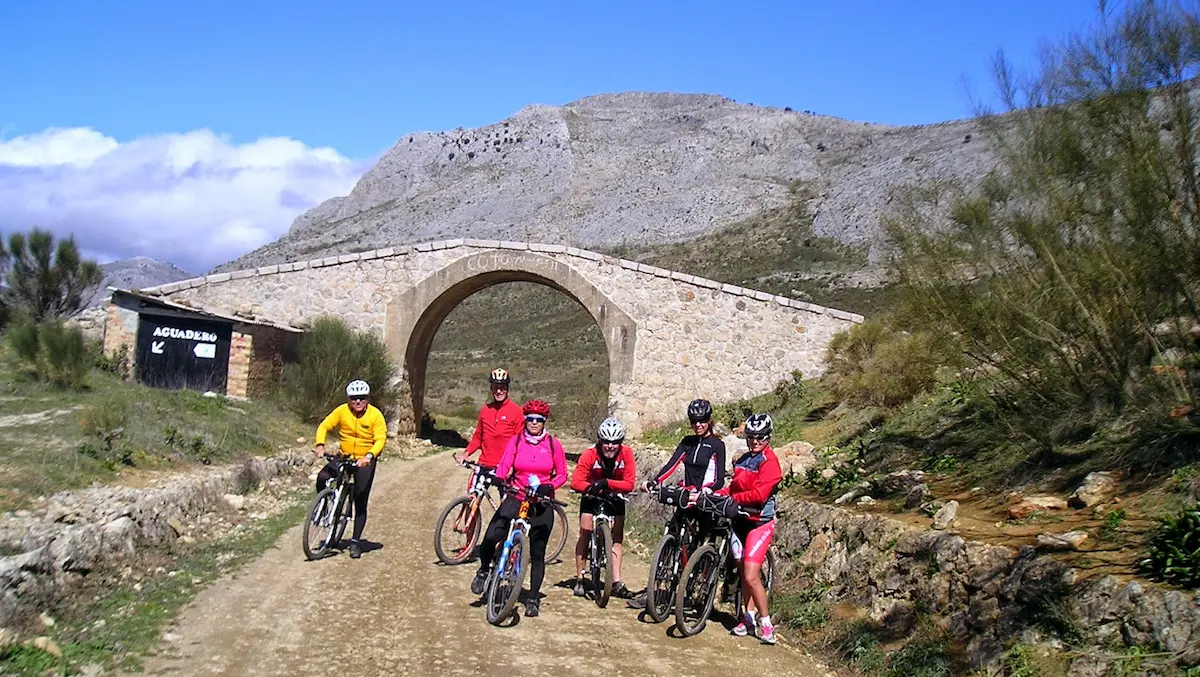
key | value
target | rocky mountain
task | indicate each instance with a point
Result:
(630, 169)
(135, 273)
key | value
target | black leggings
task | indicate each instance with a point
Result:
(539, 538)
(363, 478)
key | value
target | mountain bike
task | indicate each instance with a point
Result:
(512, 560)
(600, 549)
(679, 540)
(707, 568)
(331, 510)
(467, 523)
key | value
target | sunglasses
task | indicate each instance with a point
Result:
(535, 419)
(358, 398)
(756, 438)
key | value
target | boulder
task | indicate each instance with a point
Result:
(1031, 504)
(945, 515)
(916, 496)
(897, 482)
(1060, 542)
(1097, 487)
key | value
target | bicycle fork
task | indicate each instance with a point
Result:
(508, 543)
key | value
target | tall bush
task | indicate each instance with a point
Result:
(330, 355)
(43, 279)
(871, 364)
(1073, 273)
(53, 351)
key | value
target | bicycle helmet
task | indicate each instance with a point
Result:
(499, 377)
(358, 389)
(759, 424)
(611, 430)
(699, 411)
(536, 407)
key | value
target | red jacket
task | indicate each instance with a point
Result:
(756, 478)
(496, 426)
(621, 476)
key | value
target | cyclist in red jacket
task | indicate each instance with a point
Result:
(603, 470)
(756, 478)
(499, 420)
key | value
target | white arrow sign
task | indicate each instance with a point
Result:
(156, 347)
(208, 350)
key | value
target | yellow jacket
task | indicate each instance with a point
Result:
(356, 435)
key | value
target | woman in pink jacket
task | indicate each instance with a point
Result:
(530, 452)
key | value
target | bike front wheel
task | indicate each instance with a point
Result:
(697, 590)
(664, 575)
(562, 529)
(506, 580)
(601, 565)
(320, 527)
(457, 531)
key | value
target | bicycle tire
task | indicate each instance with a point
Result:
(660, 589)
(467, 552)
(706, 590)
(602, 571)
(498, 610)
(345, 512)
(325, 496)
(767, 576)
(563, 528)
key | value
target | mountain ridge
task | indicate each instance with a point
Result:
(630, 169)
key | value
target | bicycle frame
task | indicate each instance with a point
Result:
(519, 522)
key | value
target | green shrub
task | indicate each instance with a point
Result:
(871, 364)
(104, 427)
(1173, 554)
(54, 351)
(330, 355)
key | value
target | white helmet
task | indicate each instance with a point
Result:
(759, 424)
(611, 430)
(358, 388)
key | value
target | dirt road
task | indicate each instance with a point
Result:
(397, 611)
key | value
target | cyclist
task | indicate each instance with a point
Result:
(362, 433)
(602, 470)
(531, 452)
(498, 421)
(703, 457)
(756, 478)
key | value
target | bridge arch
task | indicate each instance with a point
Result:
(414, 316)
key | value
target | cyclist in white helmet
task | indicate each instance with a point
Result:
(603, 470)
(362, 433)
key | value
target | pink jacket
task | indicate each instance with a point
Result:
(545, 459)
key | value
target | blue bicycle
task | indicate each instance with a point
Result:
(512, 561)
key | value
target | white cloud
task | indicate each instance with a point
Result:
(193, 199)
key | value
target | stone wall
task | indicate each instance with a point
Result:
(120, 334)
(685, 336)
(985, 594)
(240, 348)
(74, 533)
(266, 360)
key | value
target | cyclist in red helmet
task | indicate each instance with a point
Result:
(531, 452)
(498, 421)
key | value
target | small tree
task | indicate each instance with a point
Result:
(331, 354)
(44, 279)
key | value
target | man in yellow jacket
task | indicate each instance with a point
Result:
(362, 433)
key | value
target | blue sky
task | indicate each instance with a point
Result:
(352, 81)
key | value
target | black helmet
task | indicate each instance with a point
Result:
(759, 424)
(699, 411)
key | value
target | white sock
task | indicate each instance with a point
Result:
(766, 620)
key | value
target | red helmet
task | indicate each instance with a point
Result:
(536, 407)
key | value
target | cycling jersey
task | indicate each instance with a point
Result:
(524, 457)
(497, 423)
(703, 461)
(357, 435)
(619, 472)
(756, 479)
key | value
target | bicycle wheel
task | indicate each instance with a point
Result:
(457, 545)
(507, 578)
(664, 575)
(601, 564)
(766, 575)
(697, 590)
(319, 527)
(560, 527)
(345, 512)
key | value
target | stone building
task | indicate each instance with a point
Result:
(179, 344)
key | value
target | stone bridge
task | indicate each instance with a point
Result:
(671, 336)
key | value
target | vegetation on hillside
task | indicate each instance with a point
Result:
(41, 279)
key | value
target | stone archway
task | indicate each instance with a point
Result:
(415, 315)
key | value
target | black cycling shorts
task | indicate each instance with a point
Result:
(588, 505)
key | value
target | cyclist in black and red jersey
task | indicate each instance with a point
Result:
(701, 453)
(703, 457)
